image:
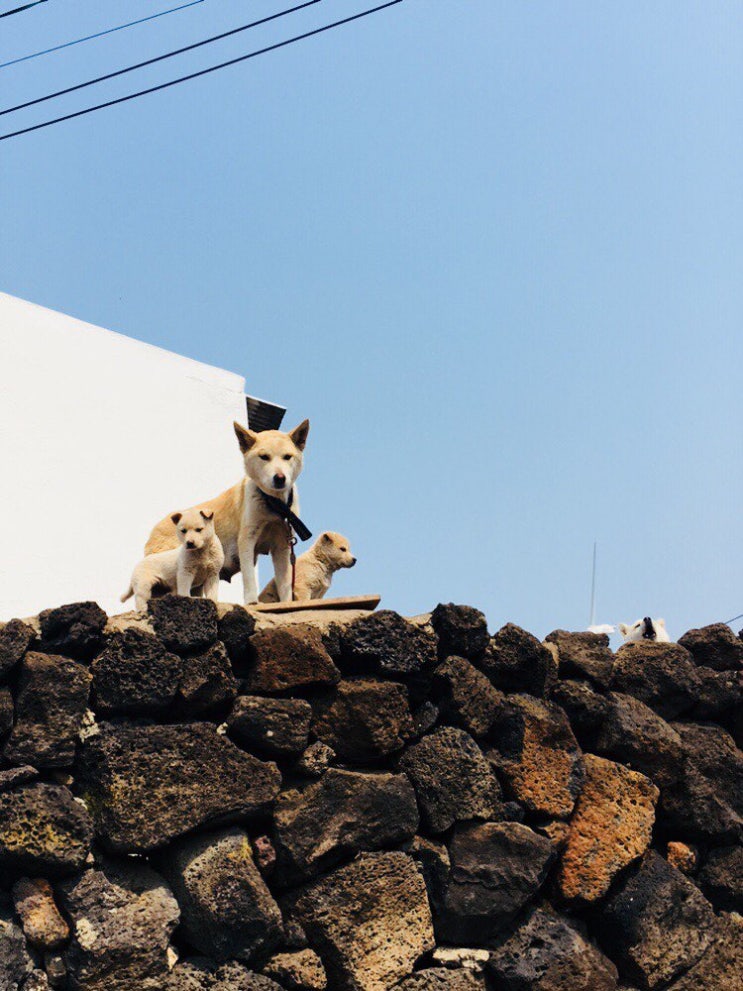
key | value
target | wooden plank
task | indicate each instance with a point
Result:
(347, 602)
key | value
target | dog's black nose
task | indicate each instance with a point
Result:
(190, 544)
(279, 481)
(353, 561)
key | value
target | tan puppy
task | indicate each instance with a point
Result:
(315, 568)
(245, 523)
(196, 563)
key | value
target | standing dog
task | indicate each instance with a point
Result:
(196, 563)
(315, 568)
(249, 517)
(645, 629)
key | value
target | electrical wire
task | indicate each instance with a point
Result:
(18, 10)
(158, 58)
(99, 34)
(202, 72)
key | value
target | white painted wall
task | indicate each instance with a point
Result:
(100, 436)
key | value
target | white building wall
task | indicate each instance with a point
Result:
(100, 436)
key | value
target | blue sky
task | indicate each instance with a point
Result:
(492, 250)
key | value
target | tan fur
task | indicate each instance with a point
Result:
(315, 568)
(194, 564)
(245, 527)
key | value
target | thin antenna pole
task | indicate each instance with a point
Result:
(592, 620)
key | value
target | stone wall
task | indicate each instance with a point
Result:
(204, 799)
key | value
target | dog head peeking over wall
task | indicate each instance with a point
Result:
(645, 629)
(272, 458)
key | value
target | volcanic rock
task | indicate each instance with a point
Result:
(682, 856)
(75, 630)
(43, 830)
(453, 780)
(385, 643)
(516, 661)
(662, 675)
(289, 659)
(184, 624)
(146, 785)
(538, 755)
(135, 675)
(369, 921)
(363, 719)
(611, 826)
(15, 639)
(721, 966)
(340, 815)
(51, 702)
(17, 776)
(441, 979)
(714, 646)
(466, 696)
(207, 684)
(6, 711)
(298, 971)
(461, 630)
(235, 628)
(633, 734)
(278, 728)
(315, 760)
(583, 655)
(721, 878)
(43, 926)
(585, 708)
(226, 909)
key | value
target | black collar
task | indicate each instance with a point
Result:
(284, 510)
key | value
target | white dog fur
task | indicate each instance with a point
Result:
(196, 563)
(315, 568)
(645, 629)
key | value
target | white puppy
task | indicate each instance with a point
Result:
(195, 564)
(315, 568)
(645, 629)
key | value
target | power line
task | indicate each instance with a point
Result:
(202, 72)
(158, 58)
(99, 34)
(18, 10)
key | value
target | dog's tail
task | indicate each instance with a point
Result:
(127, 595)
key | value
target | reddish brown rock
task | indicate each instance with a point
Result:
(611, 826)
(289, 659)
(364, 719)
(40, 918)
(683, 857)
(538, 755)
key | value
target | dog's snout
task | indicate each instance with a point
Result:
(279, 480)
(190, 544)
(353, 561)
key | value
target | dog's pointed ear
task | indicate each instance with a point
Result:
(624, 629)
(245, 438)
(299, 434)
(207, 515)
(176, 518)
(660, 622)
(327, 538)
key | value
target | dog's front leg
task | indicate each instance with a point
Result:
(282, 569)
(184, 581)
(211, 588)
(246, 552)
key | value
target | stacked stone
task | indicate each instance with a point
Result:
(191, 803)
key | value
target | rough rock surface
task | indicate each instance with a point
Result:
(299, 971)
(289, 658)
(720, 968)
(75, 630)
(453, 780)
(235, 628)
(364, 719)
(185, 625)
(715, 647)
(441, 979)
(611, 826)
(585, 708)
(538, 755)
(385, 643)
(517, 662)
(637, 737)
(207, 685)
(15, 639)
(584, 655)
(146, 785)
(43, 831)
(226, 909)
(465, 696)
(135, 674)
(343, 813)
(315, 760)
(43, 926)
(721, 878)
(461, 630)
(6, 711)
(662, 675)
(278, 728)
(369, 921)
(122, 916)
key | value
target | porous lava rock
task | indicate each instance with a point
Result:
(226, 909)
(452, 778)
(656, 922)
(706, 802)
(185, 625)
(17, 776)
(547, 953)
(721, 878)
(369, 921)
(720, 968)
(385, 643)
(682, 856)
(714, 646)
(442, 979)
(516, 661)
(465, 696)
(15, 963)
(122, 918)
(301, 970)
(461, 630)
(42, 923)
(278, 728)
(43, 831)
(662, 675)
(135, 675)
(234, 976)
(363, 719)
(538, 755)
(15, 639)
(611, 826)
(289, 659)
(496, 869)
(207, 685)
(634, 735)
(75, 630)
(583, 655)
(147, 785)
(343, 813)
(50, 705)
(235, 628)
(719, 695)
(6, 711)
(315, 760)
(585, 708)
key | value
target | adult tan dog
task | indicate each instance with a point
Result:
(246, 523)
(315, 568)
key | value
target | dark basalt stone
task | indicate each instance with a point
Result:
(75, 630)
(43, 831)
(184, 624)
(461, 630)
(585, 708)
(15, 639)
(278, 728)
(135, 675)
(235, 628)
(516, 661)
(715, 647)
(6, 711)
(634, 735)
(385, 643)
(662, 675)
(364, 719)
(465, 696)
(721, 878)
(583, 655)
(207, 685)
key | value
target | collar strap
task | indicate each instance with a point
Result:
(283, 509)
